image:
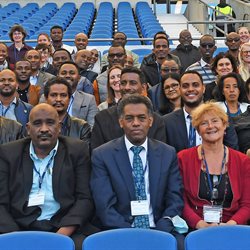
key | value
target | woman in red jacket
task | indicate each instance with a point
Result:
(216, 178)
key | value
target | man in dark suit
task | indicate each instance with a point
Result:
(45, 183)
(177, 123)
(119, 192)
(106, 125)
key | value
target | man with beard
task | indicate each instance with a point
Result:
(152, 70)
(45, 182)
(83, 60)
(57, 93)
(56, 34)
(82, 105)
(107, 128)
(11, 106)
(116, 56)
(207, 49)
(186, 51)
(27, 92)
(37, 77)
(179, 131)
(3, 56)
(233, 43)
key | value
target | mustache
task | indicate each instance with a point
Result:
(44, 135)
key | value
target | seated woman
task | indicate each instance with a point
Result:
(244, 59)
(168, 96)
(222, 64)
(216, 178)
(113, 88)
(232, 94)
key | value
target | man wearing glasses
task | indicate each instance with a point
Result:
(116, 56)
(161, 52)
(154, 93)
(233, 43)
(207, 48)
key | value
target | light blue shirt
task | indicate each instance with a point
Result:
(33, 79)
(9, 111)
(143, 155)
(69, 110)
(50, 206)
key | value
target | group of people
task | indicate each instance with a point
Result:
(91, 144)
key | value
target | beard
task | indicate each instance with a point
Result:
(7, 94)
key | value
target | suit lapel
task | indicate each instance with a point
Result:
(154, 165)
(76, 104)
(181, 122)
(57, 167)
(124, 166)
(27, 171)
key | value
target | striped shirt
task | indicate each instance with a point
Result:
(204, 70)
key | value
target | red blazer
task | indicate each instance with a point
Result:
(238, 166)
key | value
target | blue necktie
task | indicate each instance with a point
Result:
(192, 134)
(140, 221)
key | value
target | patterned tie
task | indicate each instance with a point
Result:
(140, 221)
(192, 134)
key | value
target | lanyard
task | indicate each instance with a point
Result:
(207, 170)
(204, 70)
(233, 114)
(41, 177)
(6, 110)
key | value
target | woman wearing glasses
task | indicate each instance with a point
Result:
(244, 59)
(216, 178)
(165, 96)
(222, 64)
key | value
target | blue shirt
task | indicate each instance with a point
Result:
(9, 111)
(50, 206)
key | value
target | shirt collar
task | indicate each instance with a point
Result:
(129, 145)
(13, 102)
(34, 156)
(203, 63)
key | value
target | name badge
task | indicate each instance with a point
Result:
(36, 199)
(139, 207)
(212, 214)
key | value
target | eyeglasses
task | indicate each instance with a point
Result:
(171, 86)
(230, 40)
(205, 45)
(119, 55)
(245, 53)
(167, 70)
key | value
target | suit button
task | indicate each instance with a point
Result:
(130, 218)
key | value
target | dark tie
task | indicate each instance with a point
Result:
(192, 134)
(140, 221)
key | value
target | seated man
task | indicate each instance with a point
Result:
(9, 130)
(135, 173)
(50, 191)
(106, 127)
(57, 92)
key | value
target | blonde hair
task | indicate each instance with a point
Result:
(243, 67)
(208, 108)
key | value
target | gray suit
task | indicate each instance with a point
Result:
(84, 107)
(42, 78)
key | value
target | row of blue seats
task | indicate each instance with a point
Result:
(216, 238)
(126, 22)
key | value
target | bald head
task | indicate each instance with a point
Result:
(43, 128)
(81, 41)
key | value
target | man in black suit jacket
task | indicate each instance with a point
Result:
(177, 122)
(107, 126)
(45, 183)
